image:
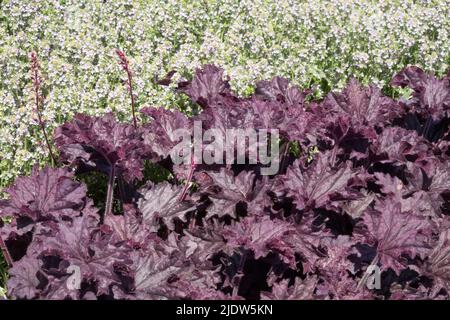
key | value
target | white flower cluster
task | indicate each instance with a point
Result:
(315, 42)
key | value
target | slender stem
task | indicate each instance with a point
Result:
(188, 182)
(427, 127)
(121, 189)
(110, 192)
(192, 223)
(189, 179)
(5, 251)
(284, 156)
(236, 287)
(41, 123)
(333, 155)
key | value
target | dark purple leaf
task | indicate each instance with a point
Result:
(48, 194)
(395, 233)
(438, 264)
(261, 235)
(23, 281)
(207, 84)
(161, 202)
(364, 106)
(99, 143)
(431, 96)
(226, 191)
(301, 290)
(278, 89)
(314, 186)
(160, 132)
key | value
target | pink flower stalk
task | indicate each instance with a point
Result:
(39, 99)
(126, 67)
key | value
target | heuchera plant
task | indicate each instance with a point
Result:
(364, 183)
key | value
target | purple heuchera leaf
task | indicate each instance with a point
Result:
(399, 145)
(431, 96)
(206, 85)
(49, 194)
(342, 288)
(161, 203)
(292, 122)
(233, 116)
(99, 143)
(364, 106)
(261, 235)
(160, 132)
(82, 244)
(314, 186)
(336, 257)
(161, 273)
(398, 292)
(301, 290)
(355, 208)
(438, 264)
(129, 227)
(306, 240)
(395, 233)
(440, 179)
(201, 250)
(193, 292)
(278, 89)
(411, 197)
(226, 191)
(432, 187)
(23, 282)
